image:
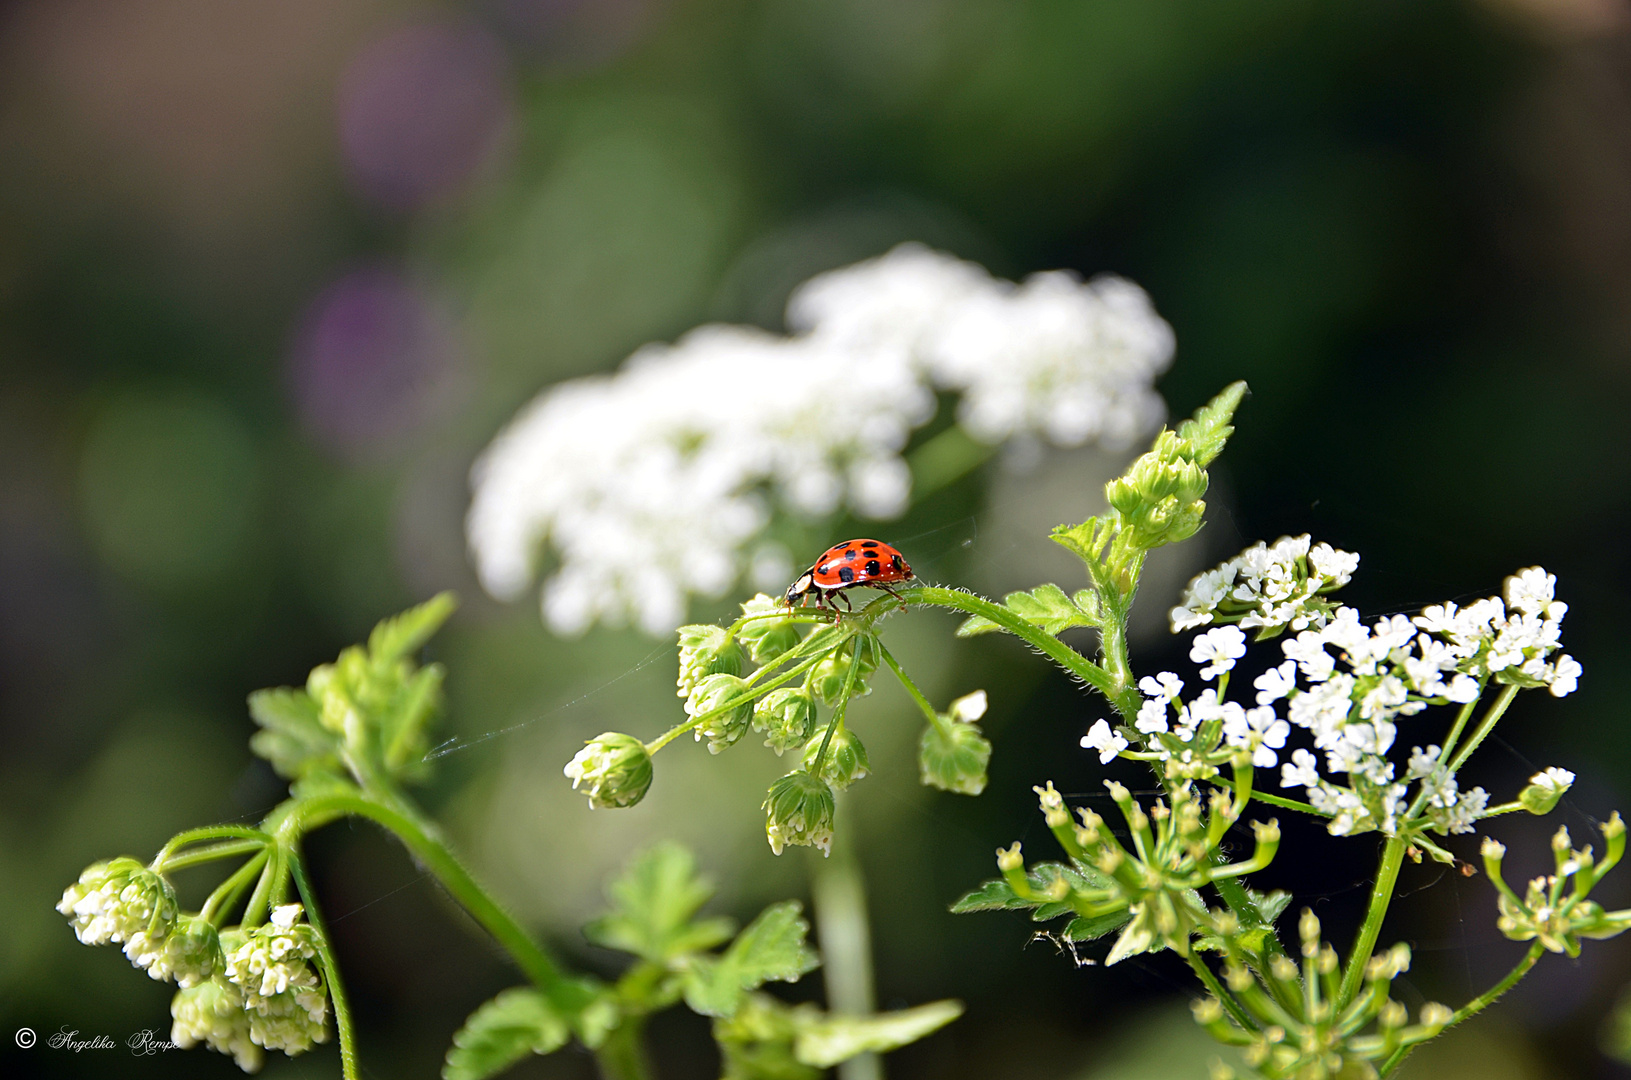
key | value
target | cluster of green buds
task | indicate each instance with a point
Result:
(1290, 1019)
(1157, 501)
(1152, 890)
(1555, 910)
(775, 671)
(244, 989)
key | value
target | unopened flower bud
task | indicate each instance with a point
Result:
(799, 810)
(725, 707)
(786, 716)
(830, 676)
(705, 651)
(614, 769)
(189, 954)
(845, 762)
(767, 630)
(953, 758)
(1545, 789)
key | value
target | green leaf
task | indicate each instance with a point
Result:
(1084, 929)
(404, 724)
(518, 1022)
(653, 903)
(1271, 905)
(403, 634)
(975, 625)
(1049, 608)
(756, 1042)
(826, 1041)
(998, 895)
(771, 947)
(291, 737)
(1209, 429)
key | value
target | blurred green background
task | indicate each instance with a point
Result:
(272, 274)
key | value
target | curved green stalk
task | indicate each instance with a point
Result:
(1476, 1005)
(1122, 695)
(226, 894)
(917, 695)
(349, 1065)
(424, 840)
(1219, 991)
(1387, 876)
(210, 854)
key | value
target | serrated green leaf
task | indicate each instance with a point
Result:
(1209, 429)
(1272, 905)
(1083, 929)
(518, 1022)
(1048, 608)
(772, 947)
(401, 635)
(828, 1040)
(405, 722)
(998, 895)
(291, 737)
(975, 625)
(653, 904)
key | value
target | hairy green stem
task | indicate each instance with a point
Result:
(210, 854)
(917, 695)
(1219, 991)
(227, 893)
(1477, 1004)
(1287, 804)
(1485, 726)
(1046, 644)
(425, 841)
(349, 1064)
(163, 859)
(1387, 877)
(736, 702)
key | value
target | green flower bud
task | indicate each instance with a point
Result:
(828, 677)
(787, 716)
(799, 810)
(190, 954)
(846, 760)
(724, 726)
(614, 769)
(953, 758)
(1545, 789)
(768, 631)
(705, 651)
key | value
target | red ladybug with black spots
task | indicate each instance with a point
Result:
(872, 563)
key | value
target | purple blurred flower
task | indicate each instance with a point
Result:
(422, 109)
(373, 361)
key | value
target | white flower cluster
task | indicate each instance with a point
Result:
(1347, 684)
(1268, 588)
(283, 995)
(213, 1013)
(656, 483)
(123, 901)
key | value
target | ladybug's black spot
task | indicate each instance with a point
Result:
(872, 568)
(849, 555)
(846, 575)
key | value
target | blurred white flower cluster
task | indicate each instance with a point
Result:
(656, 483)
(1347, 684)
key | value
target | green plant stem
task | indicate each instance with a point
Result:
(1123, 697)
(1387, 877)
(838, 893)
(623, 1055)
(1287, 804)
(210, 832)
(917, 695)
(349, 1065)
(838, 714)
(425, 841)
(1485, 726)
(227, 893)
(210, 854)
(1225, 998)
(1477, 1004)
(736, 702)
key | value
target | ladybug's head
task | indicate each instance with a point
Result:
(798, 588)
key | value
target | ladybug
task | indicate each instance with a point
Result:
(872, 563)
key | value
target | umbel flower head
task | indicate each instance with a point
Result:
(953, 755)
(1556, 910)
(799, 810)
(189, 954)
(212, 1013)
(120, 900)
(614, 770)
(283, 994)
(658, 483)
(845, 761)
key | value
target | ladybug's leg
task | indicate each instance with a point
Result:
(893, 593)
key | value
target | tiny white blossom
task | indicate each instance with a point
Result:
(1301, 771)
(1565, 676)
(1152, 717)
(1106, 740)
(1218, 649)
(1553, 779)
(1308, 650)
(1422, 762)
(1165, 686)
(970, 707)
(1530, 591)
(1276, 683)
